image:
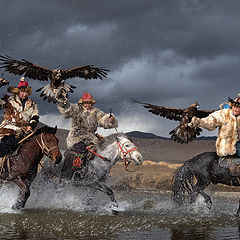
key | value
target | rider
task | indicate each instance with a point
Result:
(228, 122)
(85, 120)
(20, 116)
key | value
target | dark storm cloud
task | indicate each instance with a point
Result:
(165, 52)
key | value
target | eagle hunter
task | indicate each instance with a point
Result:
(57, 76)
(183, 133)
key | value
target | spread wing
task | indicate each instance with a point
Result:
(25, 68)
(86, 72)
(183, 133)
(203, 113)
(166, 112)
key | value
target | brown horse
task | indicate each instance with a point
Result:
(22, 166)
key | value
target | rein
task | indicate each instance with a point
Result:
(103, 158)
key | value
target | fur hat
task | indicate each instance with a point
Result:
(22, 86)
(87, 98)
(235, 102)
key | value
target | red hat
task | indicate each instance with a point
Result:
(87, 97)
(22, 83)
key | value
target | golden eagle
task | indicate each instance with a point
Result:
(56, 76)
(182, 133)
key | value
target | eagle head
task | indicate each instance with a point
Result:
(195, 105)
(57, 73)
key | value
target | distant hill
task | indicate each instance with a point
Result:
(144, 135)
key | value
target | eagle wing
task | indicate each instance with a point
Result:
(184, 133)
(203, 113)
(25, 67)
(86, 72)
(166, 112)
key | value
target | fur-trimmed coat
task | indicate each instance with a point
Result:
(228, 125)
(15, 116)
(85, 123)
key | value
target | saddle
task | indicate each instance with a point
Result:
(232, 163)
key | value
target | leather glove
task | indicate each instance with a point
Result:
(61, 95)
(194, 122)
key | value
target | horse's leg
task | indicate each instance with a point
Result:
(24, 193)
(238, 211)
(66, 171)
(198, 189)
(103, 188)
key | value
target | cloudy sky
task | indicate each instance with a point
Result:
(168, 53)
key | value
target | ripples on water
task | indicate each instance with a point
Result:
(65, 213)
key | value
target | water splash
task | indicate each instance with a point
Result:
(8, 196)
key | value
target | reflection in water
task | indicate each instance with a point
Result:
(55, 214)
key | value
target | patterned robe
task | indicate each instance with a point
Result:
(16, 117)
(84, 123)
(229, 130)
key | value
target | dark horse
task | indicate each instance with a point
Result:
(22, 167)
(205, 169)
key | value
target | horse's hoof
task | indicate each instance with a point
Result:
(114, 212)
(16, 207)
(209, 206)
(115, 209)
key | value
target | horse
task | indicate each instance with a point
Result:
(196, 174)
(109, 150)
(21, 167)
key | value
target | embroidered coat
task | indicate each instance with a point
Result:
(85, 123)
(16, 116)
(229, 130)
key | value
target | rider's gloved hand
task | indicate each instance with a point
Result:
(194, 123)
(61, 95)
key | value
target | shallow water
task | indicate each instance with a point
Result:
(65, 213)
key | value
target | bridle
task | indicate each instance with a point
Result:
(125, 153)
(45, 150)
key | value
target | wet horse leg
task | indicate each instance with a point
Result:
(103, 188)
(198, 189)
(238, 211)
(24, 193)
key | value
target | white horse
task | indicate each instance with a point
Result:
(113, 148)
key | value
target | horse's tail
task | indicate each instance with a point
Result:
(182, 183)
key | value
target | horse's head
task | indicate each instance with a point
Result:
(48, 142)
(128, 151)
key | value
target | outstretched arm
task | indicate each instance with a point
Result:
(214, 120)
(35, 117)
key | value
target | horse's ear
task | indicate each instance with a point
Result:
(55, 129)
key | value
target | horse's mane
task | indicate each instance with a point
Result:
(109, 140)
(44, 129)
